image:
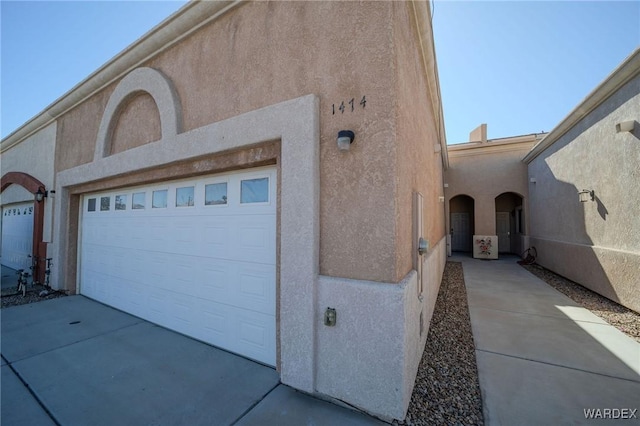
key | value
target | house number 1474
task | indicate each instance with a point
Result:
(350, 105)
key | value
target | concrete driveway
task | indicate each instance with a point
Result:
(73, 361)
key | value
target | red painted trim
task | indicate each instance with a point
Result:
(26, 181)
(32, 185)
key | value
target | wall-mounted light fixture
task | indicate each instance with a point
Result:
(345, 139)
(330, 317)
(586, 195)
(41, 194)
(625, 126)
(423, 246)
(532, 180)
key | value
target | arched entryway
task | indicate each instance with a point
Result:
(462, 223)
(33, 185)
(510, 224)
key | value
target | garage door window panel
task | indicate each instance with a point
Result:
(105, 203)
(254, 191)
(91, 205)
(138, 201)
(159, 199)
(121, 202)
(185, 196)
(215, 194)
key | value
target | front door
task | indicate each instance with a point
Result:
(460, 234)
(502, 228)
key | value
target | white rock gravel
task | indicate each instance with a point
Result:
(447, 391)
(622, 318)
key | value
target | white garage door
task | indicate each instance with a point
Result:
(197, 256)
(17, 235)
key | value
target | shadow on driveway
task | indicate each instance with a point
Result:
(85, 363)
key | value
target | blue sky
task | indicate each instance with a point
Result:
(520, 67)
(50, 46)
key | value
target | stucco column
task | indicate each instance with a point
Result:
(485, 215)
(39, 251)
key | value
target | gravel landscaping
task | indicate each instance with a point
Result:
(11, 298)
(622, 318)
(447, 391)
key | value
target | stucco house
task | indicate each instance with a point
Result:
(573, 194)
(257, 176)
(273, 179)
(487, 194)
(584, 189)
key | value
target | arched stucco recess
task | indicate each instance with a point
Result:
(31, 184)
(447, 220)
(525, 209)
(509, 192)
(141, 80)
(461, 194)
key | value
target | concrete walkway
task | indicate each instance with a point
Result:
(542, 358)
(73, 361)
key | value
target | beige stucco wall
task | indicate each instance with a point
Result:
(243, 85)
(264, 53)
(77, 131)
(33, 156)
(483, 171)
(419, 169)
(419, 164)
(138, 124)
(596, 243)
(371, 357)
(373, 363)
(15, 194)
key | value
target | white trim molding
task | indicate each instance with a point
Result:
(141, 80)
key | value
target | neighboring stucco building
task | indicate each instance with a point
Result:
(27, 168)
(198, 184)
(572, 194)
(596, 148)
(486, 194)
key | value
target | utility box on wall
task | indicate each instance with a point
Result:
(485, 246)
